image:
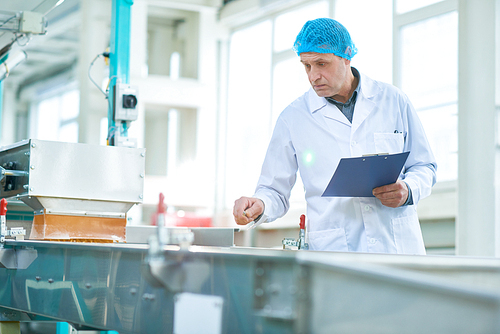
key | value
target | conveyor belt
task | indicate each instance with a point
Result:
(247, 290)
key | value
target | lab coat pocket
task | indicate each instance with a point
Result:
(389, 142)
(328, 240)
(407, 235)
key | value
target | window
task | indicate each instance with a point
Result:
(371, 31)
(172, 42)
(170, 140)
(289, 78)
(288, 25)
(289, 82)
(403, 6)
(429, 76)
(56, 117)
(248, 117)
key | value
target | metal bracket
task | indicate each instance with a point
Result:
(300, 243)
(12, 315)
(281, 292)
(17, 233)
(290, 243)
(11, 258)
(180, 274)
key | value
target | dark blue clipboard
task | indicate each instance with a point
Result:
(356, 177)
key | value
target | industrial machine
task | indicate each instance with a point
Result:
(77, 191)
(194, 280)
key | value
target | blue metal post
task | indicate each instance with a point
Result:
(62, 328)
(119, 58)
(1, 105)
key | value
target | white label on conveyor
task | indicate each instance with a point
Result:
(195, 313)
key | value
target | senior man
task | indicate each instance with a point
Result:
(344, 114)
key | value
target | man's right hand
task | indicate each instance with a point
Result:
(247, 209)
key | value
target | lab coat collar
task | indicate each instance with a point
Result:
(328, 110)
(315, 102)
(369, 88)
(364, 103)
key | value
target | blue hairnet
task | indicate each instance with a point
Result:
(325, 36)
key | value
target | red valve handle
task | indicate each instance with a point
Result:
(302, 222)
(3, 207)
(161, 205)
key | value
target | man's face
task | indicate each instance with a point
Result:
(327, 72)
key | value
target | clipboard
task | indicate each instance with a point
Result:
(356, 177)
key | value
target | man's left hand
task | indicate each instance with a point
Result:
(392, 195)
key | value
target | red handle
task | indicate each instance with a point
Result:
(3, 207)
(161, 205)
(302, 222)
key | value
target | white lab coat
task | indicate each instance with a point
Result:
(312, 135)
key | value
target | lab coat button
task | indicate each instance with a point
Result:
(367, 208)
(373, 240)
(353, 143)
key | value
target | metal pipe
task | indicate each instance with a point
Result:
(12, 61)
(7, 172)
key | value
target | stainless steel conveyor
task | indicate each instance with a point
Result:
(246, 290)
